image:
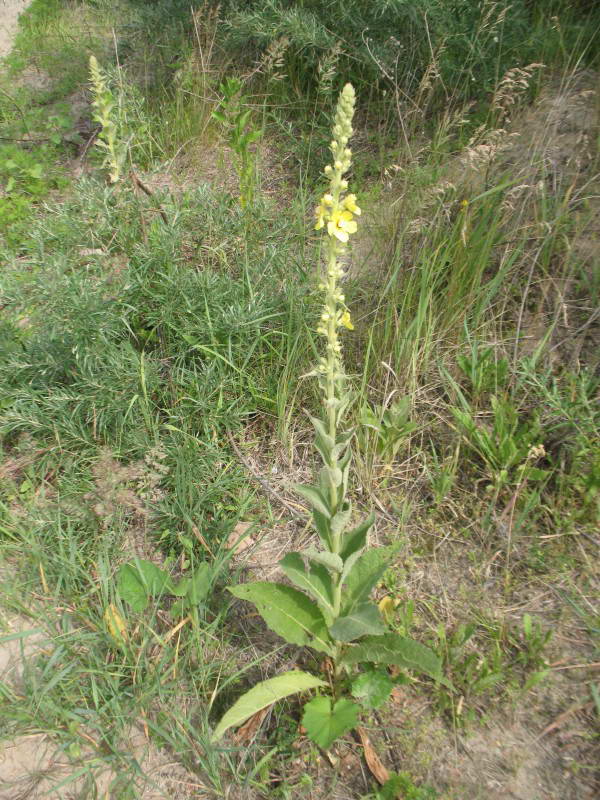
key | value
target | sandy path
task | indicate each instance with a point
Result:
(9, 15)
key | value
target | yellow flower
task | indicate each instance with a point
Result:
(346, 321)
(321, 214)
(350, 205)
(341, 225)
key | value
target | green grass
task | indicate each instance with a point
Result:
(132, 349)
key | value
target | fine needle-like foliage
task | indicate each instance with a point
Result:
(328, 607)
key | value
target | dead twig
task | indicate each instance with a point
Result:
(149, 193)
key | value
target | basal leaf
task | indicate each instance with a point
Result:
(288, 612)
(400, 651)
(263, 695)
(372, 688)
(324, 723)
(364, 620)
(140, 580)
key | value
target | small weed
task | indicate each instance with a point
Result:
(392, 427)
(485, 658)
(401, 785)
(486, 373)
(27, 177)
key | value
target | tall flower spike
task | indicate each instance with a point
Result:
(104, 104)
(336, 213)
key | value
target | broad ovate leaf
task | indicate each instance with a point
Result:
(372, 688)
(140, 580)
(325, 722)
(265, 694)
(288, 612)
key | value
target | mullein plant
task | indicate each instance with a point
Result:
(328, 605)
(104, 104)
(236, 122)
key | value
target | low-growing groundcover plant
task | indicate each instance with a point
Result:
(329, 608)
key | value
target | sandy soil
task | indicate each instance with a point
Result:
(9, 15)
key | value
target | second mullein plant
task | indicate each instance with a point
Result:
(327, 605)
(104, 114)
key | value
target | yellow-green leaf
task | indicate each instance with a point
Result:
(265, 694)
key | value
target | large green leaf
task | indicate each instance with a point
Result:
(263, 695)
(364, 620)
(288, 612)
(140, 580)
(364, 575)
(325, 724)
(400, 651)
(314, 579)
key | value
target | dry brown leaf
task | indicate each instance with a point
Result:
(248, 730)
(202, 540)
(398, 695)
(374, 763)
(233, 540)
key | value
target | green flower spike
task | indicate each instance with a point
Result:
(104, 104)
